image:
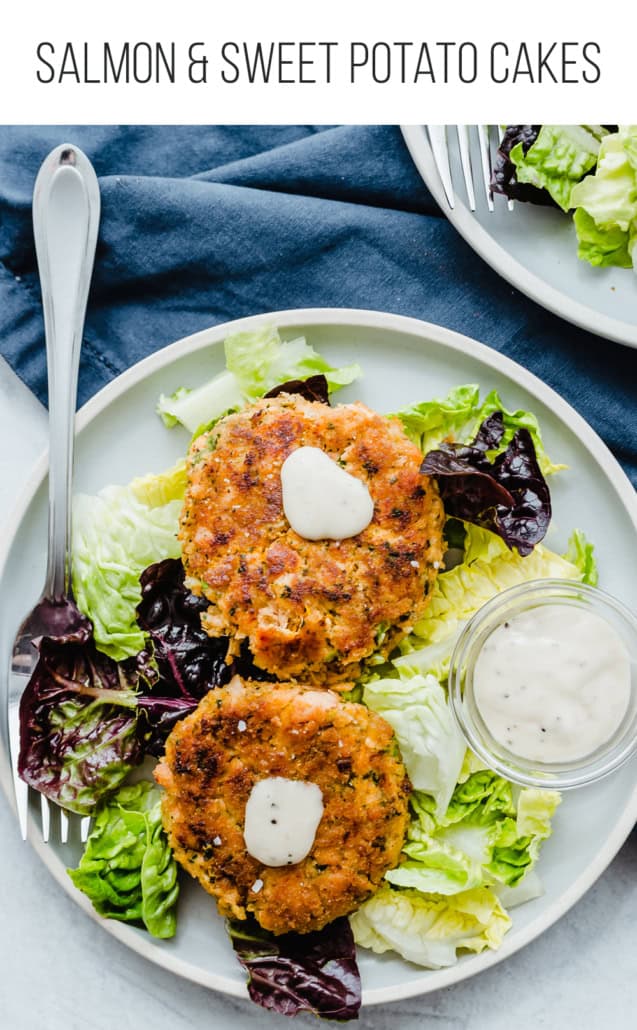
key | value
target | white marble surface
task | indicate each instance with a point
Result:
(59, 972)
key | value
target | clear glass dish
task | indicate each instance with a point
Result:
(561, 775)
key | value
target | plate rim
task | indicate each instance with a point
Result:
(502, 262)
(354, 318)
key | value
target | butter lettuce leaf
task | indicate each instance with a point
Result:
(255, 363)
(117, 533)
(127, 869)
(431, 744)
(428, 929)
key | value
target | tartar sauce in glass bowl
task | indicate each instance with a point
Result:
(553, 684)
(543, 683)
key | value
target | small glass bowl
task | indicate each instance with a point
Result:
(562, 776)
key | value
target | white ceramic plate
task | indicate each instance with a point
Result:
(534, 248)
(404, 360)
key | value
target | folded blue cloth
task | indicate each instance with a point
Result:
(204, 224)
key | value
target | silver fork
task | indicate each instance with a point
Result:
(487, 136)
(66, 210)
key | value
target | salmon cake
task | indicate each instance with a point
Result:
(241, 735)
(311, 610)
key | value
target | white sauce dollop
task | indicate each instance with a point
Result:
(553, 684)
(281, 820)
(320, 500)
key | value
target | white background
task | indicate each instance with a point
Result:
(24, 100)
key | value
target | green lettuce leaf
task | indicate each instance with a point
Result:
(606, 219)
(527, 889)
(610, 195)
(427, 929)
(581, 553)
(458, 416)
(485, 836)
(488, 568)
(451, 417)
(560, 156)
(116, 535)
(127, 869)
(255, 363)
(431, 745)
(602, 247)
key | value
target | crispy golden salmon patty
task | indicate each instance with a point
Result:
(246, 732)
(309, 609)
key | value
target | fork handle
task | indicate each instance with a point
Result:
(66, 210)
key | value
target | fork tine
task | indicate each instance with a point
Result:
(45, 810)
(85, 825)
(19, 786)
(465, 160)
(438, 139)
(64, 827)
(485, 161)
(500, 138)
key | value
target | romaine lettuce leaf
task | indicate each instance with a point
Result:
(487, 835)
(560, 156)
(581, 553)
(431, 745)
(448, 418)
(127, 869)
(255, 363)
(601, 246)
(489, 567)
(606, 219)
(610, 196)
(428, 929)
(528, 888)
(457, 417)
(116, 534)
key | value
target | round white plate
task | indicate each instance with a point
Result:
(534, 248)
(403, 360)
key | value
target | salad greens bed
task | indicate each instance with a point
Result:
(587, 169)
(119, 670)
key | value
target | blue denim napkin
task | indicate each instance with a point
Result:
(204, 224)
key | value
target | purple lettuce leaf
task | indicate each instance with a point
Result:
(79, 735)
(188, 663)
(507, 495)
(182, 662)
(315, 388)
(504, 178)
(312, 972)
